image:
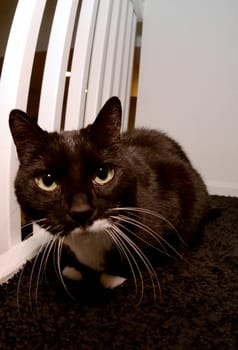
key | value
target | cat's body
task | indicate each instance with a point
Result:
(116, 199)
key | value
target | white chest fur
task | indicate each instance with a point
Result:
(91, 245)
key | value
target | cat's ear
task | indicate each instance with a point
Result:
(27, 135)
(107, 126)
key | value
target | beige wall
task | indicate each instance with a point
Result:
(189, 82)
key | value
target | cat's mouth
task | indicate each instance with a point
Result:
(99, 225)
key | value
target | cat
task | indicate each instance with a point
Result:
(116, 200)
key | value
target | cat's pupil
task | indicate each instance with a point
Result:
(47, 180)
(102, 172)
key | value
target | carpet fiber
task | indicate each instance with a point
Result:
(197, 307)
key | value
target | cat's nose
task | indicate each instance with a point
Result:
(80, 210)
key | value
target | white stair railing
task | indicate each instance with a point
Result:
(74, 118)
(51, 99)
(101, 67)
(14, 88)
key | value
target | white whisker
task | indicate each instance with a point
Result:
(58, 257)
(115, 235)
(145, 261)
(46, 252)
(30, 223)
(148, 230)
(42, 248)
(164, 251)
(55, 251)
(143, 258)
(43, 264)
(153, 214)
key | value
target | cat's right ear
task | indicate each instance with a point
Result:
(27, 135)
(106, 128)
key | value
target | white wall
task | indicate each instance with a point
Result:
(189, 82)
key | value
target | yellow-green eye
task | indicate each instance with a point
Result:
(103, 175)
(46, 182)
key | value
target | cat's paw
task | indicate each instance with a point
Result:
(110, 281)
(72, 273)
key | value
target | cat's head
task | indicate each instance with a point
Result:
(71, 179)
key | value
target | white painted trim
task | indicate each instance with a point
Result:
(14, 259)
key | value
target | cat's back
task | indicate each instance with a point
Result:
(168, 183)
(150, 142)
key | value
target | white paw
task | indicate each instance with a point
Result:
(72, 274)
(110, 281)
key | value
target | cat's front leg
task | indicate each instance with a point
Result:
(72, 273)
(107, 281)
(110, 281)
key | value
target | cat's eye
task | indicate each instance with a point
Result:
(103, 175)
(46, 182)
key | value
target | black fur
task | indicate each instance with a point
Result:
(151, 171)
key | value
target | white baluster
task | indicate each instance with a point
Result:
(80, 65)
(53, 84)
(97, 66)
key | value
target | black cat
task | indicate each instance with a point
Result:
(118, 201)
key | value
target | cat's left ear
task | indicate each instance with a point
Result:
(28, 137)
(107, 126)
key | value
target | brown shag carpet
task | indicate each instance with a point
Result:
(197, 309)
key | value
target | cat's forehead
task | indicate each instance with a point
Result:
(75, 145)
(78, 144)
(70, 139)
